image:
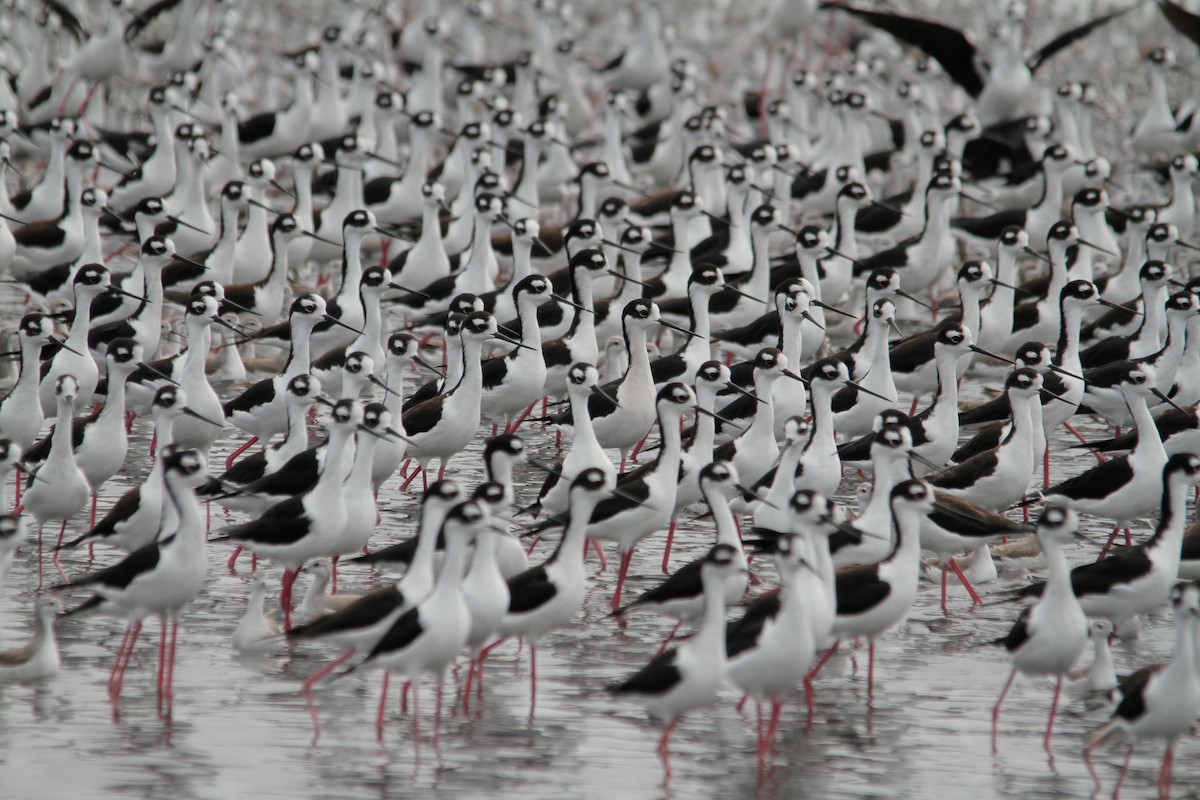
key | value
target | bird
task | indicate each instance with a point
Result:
(161, 578)
(687, 678)
(1049, 637)
(304, 527)
(550, 595)
(1158, 701)
(38, 659)
(427, 637)
(58, 489)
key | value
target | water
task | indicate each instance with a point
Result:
(241, 729)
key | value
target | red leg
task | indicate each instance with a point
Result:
(172, 649)
(411, 477)
(57, 563)
(237, 453)
(626, 557)
(666, 562)
(333, 575)
(161, 680)
(1124, 771)
(387, 678)
(599, 550)
(1012, 676)
(312, 680)
(1164, 774)
(966, 583)
(285, 597)
(437, 713)
(633, 456)
(524, 415)
(92, 517)
(1046, 467)
(1111, 539)
(119, 680)
(1099, 456)
(232, 563)
(912, 412)
(664, 747)
(404, 697)
(773, 728)
(662, 648)
(416, 715)
(1053, 713)
(112, 676)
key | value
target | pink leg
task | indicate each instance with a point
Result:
(237, 453)
(471, 665)
(232, 563)
(62, 572)
(966, 583)
(1099, 456)
(512, 428)
(387, 678)
(1053, 713)
(92, 517)
(123, 663)
(333, 575)
(664, 747)
(416, 716)
(666, 562)
(254, 562)
(412, 476)
(1124, 771)
(533, 544)
(912, 411)
(1046, 467)
(773, 728)
(1012, 676)
(404, 697)
(285, 597)
(442, 469)
(633, 456)
(662, 648)
(112, 676)
(599, 550)
(312, 681)
(626, 557)
(1164, 774)
(1111, 539)
(172, 649)
(161, 682)
(532, 679)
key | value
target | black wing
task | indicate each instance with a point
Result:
(1133, 692)
(124, 572)
(1018, 633)
(743, 634)
(683, 584)
(963, 475)
(658, 677)
(259, 394)
(403, 632)
(423, 416)
(364, 612)
(281, 524)
(529, 590)
(859, 589)
(1067, 38)
(70, 22)
(1099, 481)
(948, 46)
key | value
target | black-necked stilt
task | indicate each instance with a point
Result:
(1049, 637)
(1136, 581)
(135, 520)
(1158, 701)
(682, 594)
(58, 489)
(585, 451)
(21, 410)
(429, 636)
(856, 406)
(304, 527)
(72, 357)
(688, 677)
(872, 598)
(512, 384)
(161, 578)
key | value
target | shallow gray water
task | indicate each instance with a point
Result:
(240, 727)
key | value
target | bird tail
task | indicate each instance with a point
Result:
(95, 601)
(78, 540)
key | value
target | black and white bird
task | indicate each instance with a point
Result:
(688, 677)
(1049, 637)
(1159, 701)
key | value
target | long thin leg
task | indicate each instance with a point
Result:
(115, 695)
(285, 597)
(812, 673)
(773, 728)
(112, 676)
(41, 527)
(237, 453)
(626, 557)
(172, 649)
(664, 747)
(1124, 770)
(333, 562)
(1058, 685)
(1012, 676)
(1046, 467)
(161, 682)
(232, 563)
(662, 648)
(945, 611)
(57, 545)
(387, 679)
(666, 562)
(1164, 774)
(437, 712)
(966, 583)
(416, 715)
(599, 550)
(311, 682)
